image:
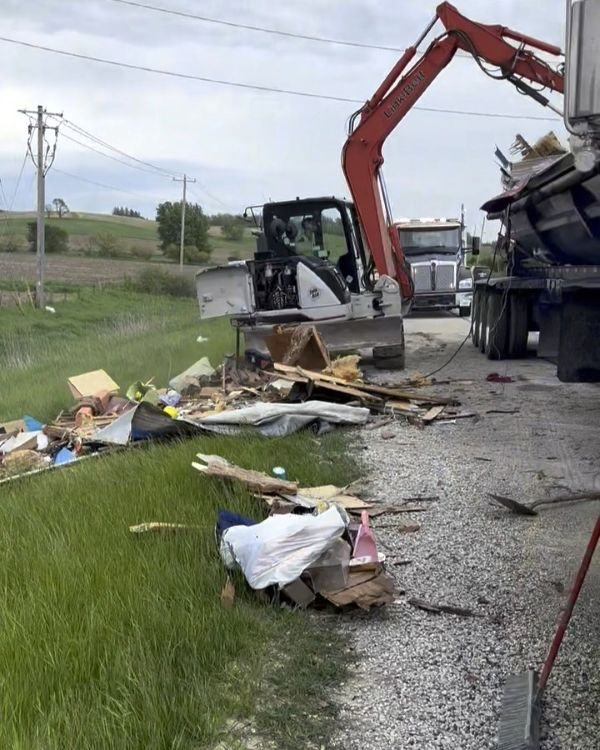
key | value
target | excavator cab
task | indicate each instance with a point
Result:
(322, 233)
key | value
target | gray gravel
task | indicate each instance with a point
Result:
(433, 681)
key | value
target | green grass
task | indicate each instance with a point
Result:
(89, 225)
(113, 642)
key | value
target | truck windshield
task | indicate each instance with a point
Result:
(418, 241)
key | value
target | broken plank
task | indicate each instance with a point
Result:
(434, 412)
(378, 390)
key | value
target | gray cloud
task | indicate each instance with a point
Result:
(247, 146)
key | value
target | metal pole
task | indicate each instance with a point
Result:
(182, 240)
(41, 239)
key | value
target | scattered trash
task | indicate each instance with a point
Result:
(345, 368)
(254, 480)
(91, 383)
(279, 472)
(49, 309)
(280, 548)
(298, 345)
(495, 377)
(158, 526)
(64, 456)
(202, 370)
(365, 546)
(201, 339)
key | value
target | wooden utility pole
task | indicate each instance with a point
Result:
(185, 179)
(42, 167)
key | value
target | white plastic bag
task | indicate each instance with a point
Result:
(279, 549)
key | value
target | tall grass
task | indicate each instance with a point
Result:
(117, 642)
(131, 336)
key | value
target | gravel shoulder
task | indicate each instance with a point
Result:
(432, 681)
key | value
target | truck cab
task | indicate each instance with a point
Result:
(434, 248)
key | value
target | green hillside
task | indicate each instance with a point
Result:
(133, 237)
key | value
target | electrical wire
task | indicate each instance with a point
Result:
(112, 188)
(470, 331)
(95, 139)
(267, 30)
(257, 87)
(108, 156)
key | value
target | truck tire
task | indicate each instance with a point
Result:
(496, 339)
(482, 325)
(464, 312)
(518, 326)
(476, 317)
(389, 357)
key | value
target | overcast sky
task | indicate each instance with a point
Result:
(244, 146)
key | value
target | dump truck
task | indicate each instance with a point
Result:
(435, 250)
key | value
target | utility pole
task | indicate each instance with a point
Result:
(42, 167)
(185, 179)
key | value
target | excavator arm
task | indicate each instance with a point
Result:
(362, 154)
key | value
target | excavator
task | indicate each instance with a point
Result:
(339, 264)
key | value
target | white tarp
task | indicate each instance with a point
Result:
(276, 420)
(279, 549)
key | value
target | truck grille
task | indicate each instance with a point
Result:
(422, 278)
(444, 277)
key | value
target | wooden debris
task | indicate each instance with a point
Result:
(299, 344)
(158, 526)
(255, 480)
(432, 413)
(228, 594)
(446, 608)
(378, 390)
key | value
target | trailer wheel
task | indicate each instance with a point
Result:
(496, 339)
(482, 317)
(518, 329)
(464, 312)
(476, 317)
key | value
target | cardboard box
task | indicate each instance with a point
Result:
(90, 383)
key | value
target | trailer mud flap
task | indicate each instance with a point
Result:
(579, 348)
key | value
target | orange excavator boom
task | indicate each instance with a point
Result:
(397, 94)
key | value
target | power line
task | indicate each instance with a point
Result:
(108, 156)
(112, 188)
(266, 30)
(257, 87)
(95, 139)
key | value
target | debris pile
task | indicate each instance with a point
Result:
(273, 397)
(315, 546)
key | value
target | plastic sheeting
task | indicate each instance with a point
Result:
(277, 420)
(279, 549)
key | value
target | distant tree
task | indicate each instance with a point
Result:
(48, 209)
(191, 254)
(56, 239)
(168, 217)
(108, 245)
(60, 207)
(232, 228)
(124, 211)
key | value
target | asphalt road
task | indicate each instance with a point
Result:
(435, 681)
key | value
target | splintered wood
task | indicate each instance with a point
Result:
(419, 408)
(254, 480)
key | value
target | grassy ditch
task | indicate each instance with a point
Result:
(115, 641)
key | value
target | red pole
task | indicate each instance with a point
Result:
(568, 610)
